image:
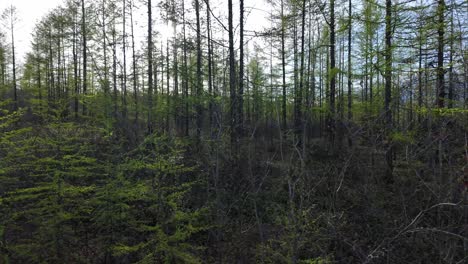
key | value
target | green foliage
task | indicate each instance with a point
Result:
(403, 137)
(61, 182)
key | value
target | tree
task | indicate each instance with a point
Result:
(283, 66)
(150, 69)
(350, 81)
(199, 73)
(240, 100)
(332, 74)
(85, 54)
(388, 88)
(10, 18)
(440, 53)
(232, 77)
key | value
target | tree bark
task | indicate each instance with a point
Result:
(350, 83)
(199, 73)
(232, 76)
(240, 101)
(85, 55)
(440, 54)
(332, 75)
(150, 69)
(388, 89)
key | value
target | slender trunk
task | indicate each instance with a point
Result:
(240, 101)
(15, 92)
(114, 70)
(452, 36)
(75, 66)
(350, 82)
(298, 120)
(283, 65)
(175, 73)
(135, 88)
(185, 74)
(332, 74)
(199, 72)
(210, 66)
(124, 54)
(420, 92)
(85, 56)
(150, 69)
(388, 89)
(440, 54)
(39, 80)
(168, 95)
(232, 75)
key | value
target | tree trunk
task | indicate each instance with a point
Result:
(232, 76)
(150, 69)
(388, 89)
(332, 75)
(298, 120)
(283, 66)
(350, 82)
(124, 55)
(440, 54)
(135, 87)
(85, 56)
(210, 67)
(240, 101)
(199, 73)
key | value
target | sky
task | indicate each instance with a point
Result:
(31, 11)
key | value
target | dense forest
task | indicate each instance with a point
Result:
(336, 134)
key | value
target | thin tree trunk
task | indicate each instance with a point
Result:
(388, 89)
(452, 36)
(185, 74)
(12, 28)
(299, 120)
(75, 65)
(332, 75)
(210, 66)
(232, 75)
(240, 101)
(350, 82)
(135, 88)
(150, 69)
(124, 51)
(283, 66)
(440, 54)
(199, 72)
(85, 56)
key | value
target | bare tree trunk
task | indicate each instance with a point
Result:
(135, 87)
(388, 89)
(150, 69)
(232, 76)
(210, 67)
(199, 89)
(240, 101)
(332, 75)
(114, 69)
(75, 64)
(452, 36)
(11, 16)
(124, 51)
(299, 120)
(440, 54)
(283, 65)
(85, 56)
(185, 74)
(350, 82)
